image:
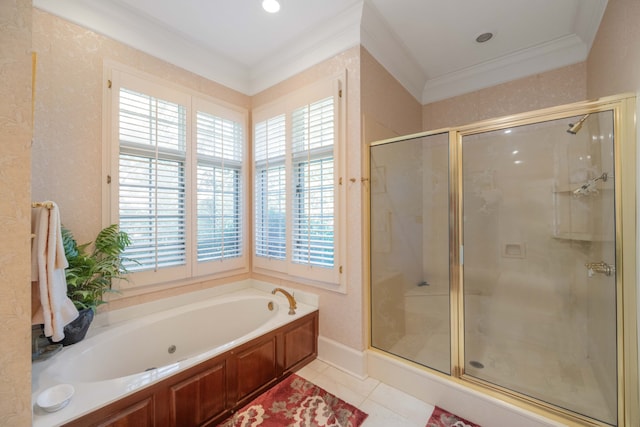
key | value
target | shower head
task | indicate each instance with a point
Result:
(574, 128)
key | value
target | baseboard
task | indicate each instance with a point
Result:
(345, 358)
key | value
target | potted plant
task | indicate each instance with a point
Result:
(90, 275)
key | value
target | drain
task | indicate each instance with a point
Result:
(171, 349)
(476, 364)
(150, 369)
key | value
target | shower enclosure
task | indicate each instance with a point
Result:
(497, 257)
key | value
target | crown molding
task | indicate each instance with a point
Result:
(587, 19)
(383, 44)
(545, 57)
(323, 42)
(360, 23)
(120, 24)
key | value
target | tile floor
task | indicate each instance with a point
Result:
(385, 405)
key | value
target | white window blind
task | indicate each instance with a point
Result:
(152, 135)
(270, 188)
(297, 161)
(313, 169)
(177, 159)
(219, 187)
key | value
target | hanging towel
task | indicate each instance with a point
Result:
(47, 269)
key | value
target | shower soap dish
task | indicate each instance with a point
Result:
(55, 398)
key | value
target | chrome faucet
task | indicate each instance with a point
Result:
(292, 300)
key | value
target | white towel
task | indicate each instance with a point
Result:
(47, 268)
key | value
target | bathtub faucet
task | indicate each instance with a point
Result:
(292, 300)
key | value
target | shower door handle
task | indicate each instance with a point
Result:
(599, 267)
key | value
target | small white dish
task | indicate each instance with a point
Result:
(56, 397)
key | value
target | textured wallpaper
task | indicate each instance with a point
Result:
(68, 133)
(613, 65)
(557, 87)
(386, 101)
(341, 316)
(67, 148)
(15, 212)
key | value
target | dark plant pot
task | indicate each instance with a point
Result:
(75, 331)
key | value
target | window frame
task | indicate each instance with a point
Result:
(335, 277)
(193, 270)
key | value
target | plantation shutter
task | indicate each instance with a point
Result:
(313, 134)
(219, 190)
(152, 156)
(270, 188)
(297, 164)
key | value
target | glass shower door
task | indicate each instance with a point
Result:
(539, 279)
(410, 295)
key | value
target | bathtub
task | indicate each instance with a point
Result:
(125, 352)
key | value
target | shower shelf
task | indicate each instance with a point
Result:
(582, 237)
(570, 188)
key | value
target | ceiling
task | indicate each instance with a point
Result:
(428, 45)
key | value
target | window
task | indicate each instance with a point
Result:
(270, 188)
(296, 184)
(219, 179)
(313, 174)
(152, 135)
(179, 188)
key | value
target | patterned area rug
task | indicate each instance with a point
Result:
(442, 418)
(295, 402)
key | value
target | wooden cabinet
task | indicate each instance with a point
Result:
(206, 394)
(139, 414)
(199, 397)
(132, 411)
(299, 344)
(255, 367)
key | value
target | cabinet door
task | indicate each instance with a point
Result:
(255, 367)
(140, 414)
(199, 398)
(300, 343)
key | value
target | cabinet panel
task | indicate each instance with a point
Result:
(207, 393)
(255, 367)
(300, 343)
(140, 414)
(199, 398)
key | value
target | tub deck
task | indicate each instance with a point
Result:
(94, 390)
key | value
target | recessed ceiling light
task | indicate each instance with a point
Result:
(271, 6)
(484, 37)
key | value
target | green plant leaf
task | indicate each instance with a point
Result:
(90, 275)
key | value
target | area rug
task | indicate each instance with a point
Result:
(296, 402)
(442, 418)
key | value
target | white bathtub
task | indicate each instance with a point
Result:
(126, 354)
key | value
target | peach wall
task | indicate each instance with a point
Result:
(67, 149)
(613, 65)
(341, 315)
(556, 87)
(15, 212)
(385, 101)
